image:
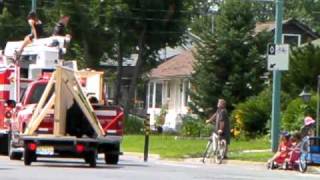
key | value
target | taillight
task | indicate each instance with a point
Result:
(80, 148)
(32, 146)
(8, 115)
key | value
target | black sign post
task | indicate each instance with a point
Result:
(146, 138)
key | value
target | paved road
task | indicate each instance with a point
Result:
(132, 167)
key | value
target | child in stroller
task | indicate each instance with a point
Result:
(283, 152)
(292, 162)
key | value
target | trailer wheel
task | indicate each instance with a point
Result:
(29, 156)
(111, 158)
(91, 158)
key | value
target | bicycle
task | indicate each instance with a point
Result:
(215, 149)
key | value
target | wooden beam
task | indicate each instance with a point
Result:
(43, 98)
(32, 127)
(35, 116)
(58, 104)
(86, 109)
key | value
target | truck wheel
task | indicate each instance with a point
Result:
(111, 158)
(11, 153)
(91, 158)
(15, 155)
(4, 144)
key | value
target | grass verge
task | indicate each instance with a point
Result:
(172, 147)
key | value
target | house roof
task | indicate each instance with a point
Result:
(178, 66)
(270, 26)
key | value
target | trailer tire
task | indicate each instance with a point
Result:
(91, 158)
(29, 156)
(111, 158)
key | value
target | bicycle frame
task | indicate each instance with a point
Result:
(216, 147)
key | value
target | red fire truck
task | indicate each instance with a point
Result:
(29, 79)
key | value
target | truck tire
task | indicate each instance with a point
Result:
(11, 153)
(91, 158)
(4, 144)
(15, 155)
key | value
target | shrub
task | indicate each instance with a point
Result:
(160, 119)
(292, 119)
(195, 127)
(250, 117)
(133, 125)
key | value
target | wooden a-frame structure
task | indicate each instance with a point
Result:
(66, 88)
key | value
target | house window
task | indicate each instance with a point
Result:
(158, 95)
(292, 39)
(150, 102)
(110, 91)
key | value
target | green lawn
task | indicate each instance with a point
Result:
(171, 147)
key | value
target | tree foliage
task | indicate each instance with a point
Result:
(303, 71)
(229, 63)
(296, 111)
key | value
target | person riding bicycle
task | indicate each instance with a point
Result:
(222, 124)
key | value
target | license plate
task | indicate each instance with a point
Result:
(45, 150)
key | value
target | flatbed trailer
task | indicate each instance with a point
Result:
(63, 141)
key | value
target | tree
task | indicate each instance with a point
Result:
(13, 24)
(307, 11)
(304, 69)
(154, 24)
(229, 63)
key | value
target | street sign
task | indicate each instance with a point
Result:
(278, 57)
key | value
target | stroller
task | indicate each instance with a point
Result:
(310, 153)
(288, 157)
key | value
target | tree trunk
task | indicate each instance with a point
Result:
(87, 56)
(119, 71)
(133, 84)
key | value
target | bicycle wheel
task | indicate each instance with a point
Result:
(221, 150)
(208, 152)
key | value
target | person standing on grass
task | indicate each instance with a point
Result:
(222, 123)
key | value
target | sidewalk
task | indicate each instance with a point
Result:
(311, 169)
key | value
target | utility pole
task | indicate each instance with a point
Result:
(34, 5)
(275, 126)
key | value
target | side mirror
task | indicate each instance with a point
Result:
(11, 103)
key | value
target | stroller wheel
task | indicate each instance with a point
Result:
(271, 165)
(303, 164)
(285, 165)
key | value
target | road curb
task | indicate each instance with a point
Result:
(141, 155)
(311, 169)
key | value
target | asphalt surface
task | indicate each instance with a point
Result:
(132, 167)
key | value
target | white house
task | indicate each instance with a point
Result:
(168, 86)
